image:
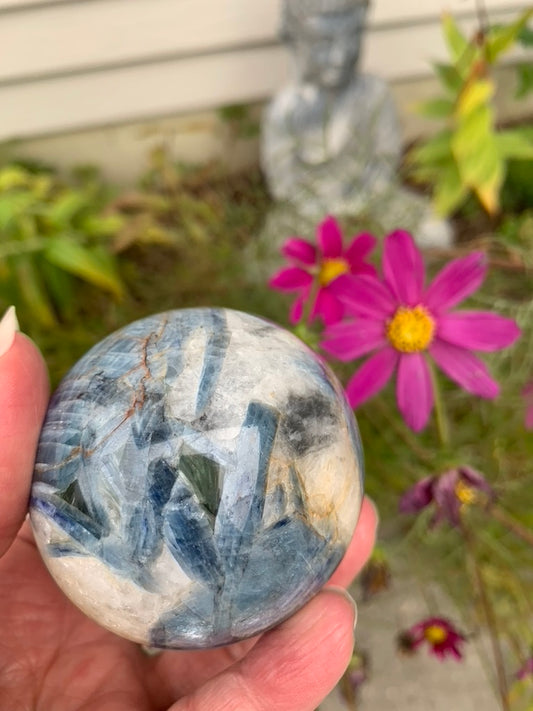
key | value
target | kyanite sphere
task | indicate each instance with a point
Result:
(198, 478)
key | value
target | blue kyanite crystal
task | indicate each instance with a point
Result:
(198, 478)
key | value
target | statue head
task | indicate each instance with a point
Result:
(326, 38)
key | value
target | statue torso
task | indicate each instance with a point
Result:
(333, 141)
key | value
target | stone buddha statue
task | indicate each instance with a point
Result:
(331, 141)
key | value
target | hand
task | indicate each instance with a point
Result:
(53, 658)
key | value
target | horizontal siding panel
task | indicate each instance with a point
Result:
(29, 4)
(81, 36)
(401, 11)
(174, 86)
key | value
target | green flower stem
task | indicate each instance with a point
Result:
(404, 433)
(443, 427)
(510, 524)
(488, 612)
(309, 302)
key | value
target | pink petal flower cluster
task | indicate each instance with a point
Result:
(449, 492)
(440, 635)
(402, 322)
(313, 269)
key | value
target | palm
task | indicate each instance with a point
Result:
(69, 662)
(53, 658)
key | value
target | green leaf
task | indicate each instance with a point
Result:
(102, 226)
(436, 108)
(15, 247)
(91, 264)
(515, 144)
(59, 285)
(525, 36)
(13, 176)
(450, 191)
(501, 38)
(525, 80)
(65, 208)
(33, 291)
(474, 95)
(478, 158)
(449, 77)
(456, 41)
(202, 474)
(14, 205)
(433, 151)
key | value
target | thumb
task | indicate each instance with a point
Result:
(291, 668)
(23, 397)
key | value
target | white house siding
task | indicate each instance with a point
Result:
(71, 65)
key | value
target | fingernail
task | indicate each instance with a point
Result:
(8, 326)
(346, 595)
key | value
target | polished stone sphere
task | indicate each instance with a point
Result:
(198, 478)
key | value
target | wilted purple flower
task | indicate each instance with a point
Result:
(450, 492)
(525, 670)
(441, 636)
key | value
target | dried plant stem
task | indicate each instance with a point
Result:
(489, 615)
(510, 523)
(348, 693)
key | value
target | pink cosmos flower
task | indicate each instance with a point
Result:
(311, 267)
(527, 392)
(449, 492)
(404, 322)
(441, 636)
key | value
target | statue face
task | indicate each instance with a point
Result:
(327, 46)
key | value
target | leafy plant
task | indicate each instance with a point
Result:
(525, 69)
(470, 154)
(50, 233)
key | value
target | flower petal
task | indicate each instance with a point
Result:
(403, 267)
(446, 500)
(414, 390)
(371, 377)
(477, 330)
(290, 279)
(363, 296)
(359, 248)
(464, 368)
(476, 480)
(417, 497)
(460, 278)
(295, 314)
(352, 339)
(327, 306)
(329, 238)
(299, 249)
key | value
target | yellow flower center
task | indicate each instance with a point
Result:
(330, 269)
(411, 329)
(435, 634)
(465, 493)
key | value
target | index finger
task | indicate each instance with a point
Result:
(24, 393)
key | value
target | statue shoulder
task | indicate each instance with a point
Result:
(282, 105)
